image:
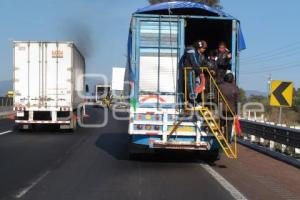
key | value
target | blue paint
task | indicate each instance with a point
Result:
(144, 139)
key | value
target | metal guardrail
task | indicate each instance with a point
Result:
(6, 102)
(282, 135)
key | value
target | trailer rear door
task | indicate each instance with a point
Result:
(43, 74)
(58, 69)
(160, 46)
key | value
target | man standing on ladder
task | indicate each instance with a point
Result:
(193, 57)
(231, 94)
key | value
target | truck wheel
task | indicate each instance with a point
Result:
(17, 127)
(132, 153)
(214, 156)
(22, 127)
(137, 152)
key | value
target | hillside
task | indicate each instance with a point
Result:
(5, 86)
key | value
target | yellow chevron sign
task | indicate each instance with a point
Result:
(281, 93)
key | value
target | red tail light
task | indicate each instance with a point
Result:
(157, 128)
(19, 109)
(140, 117)
(157, 117)
(139, 127)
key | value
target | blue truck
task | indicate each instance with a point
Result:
(157, 40)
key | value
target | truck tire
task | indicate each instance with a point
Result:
(214, 156)
(22, 127)
(135, 152)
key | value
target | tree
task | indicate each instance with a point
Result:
(243, 97)
(297, 100)
(212, 3)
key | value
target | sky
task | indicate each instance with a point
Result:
(100, 30)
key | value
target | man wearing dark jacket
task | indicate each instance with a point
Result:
(223, 61)
(231, 93)
(193, 57)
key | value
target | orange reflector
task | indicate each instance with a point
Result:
(148, 127)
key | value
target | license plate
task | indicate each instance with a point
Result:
(20, 114)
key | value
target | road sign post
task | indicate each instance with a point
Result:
(281, 95)
(280, 115)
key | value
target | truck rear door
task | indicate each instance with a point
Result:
(58, 70)
(160, 45)
(27, 74)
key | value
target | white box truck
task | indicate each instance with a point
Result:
(48, 83)
(161, 116)
(117, 85)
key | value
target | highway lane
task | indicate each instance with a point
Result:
(93, 164)
(26, 155)
(6, 125)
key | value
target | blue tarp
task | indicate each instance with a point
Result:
(183, 5)
(201, 9)
(241, 42)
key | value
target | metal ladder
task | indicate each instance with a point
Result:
(217, 132)
(214, 126)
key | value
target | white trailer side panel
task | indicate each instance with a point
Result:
(46, 75)
(118, 75)
(78, 78)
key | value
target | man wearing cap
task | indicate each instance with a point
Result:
(194, 57)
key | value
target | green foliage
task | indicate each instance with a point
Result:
(297, 100)
(212, 3)
(290, 116)
(243, 97)
(258, 98)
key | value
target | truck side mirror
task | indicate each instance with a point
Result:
(86, 88)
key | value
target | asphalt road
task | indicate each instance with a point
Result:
(92, 163)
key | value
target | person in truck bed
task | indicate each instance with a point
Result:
(231, 93)
(223, 61)
(194, 57)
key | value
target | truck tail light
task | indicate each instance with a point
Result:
(65, 109)
(19, 108)
(157, 117)
(139, 127)
(140, 117)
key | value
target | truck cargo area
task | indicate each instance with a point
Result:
(48, 82)
(210, 30)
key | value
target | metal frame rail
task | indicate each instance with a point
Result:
(282, 135)
(6, 101)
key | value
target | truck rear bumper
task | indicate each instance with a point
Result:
(178, 145)
(41, 122)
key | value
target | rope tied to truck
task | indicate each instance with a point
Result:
(173, 72)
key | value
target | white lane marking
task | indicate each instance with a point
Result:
(6, 132)
(225, 184)
(32, 185)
